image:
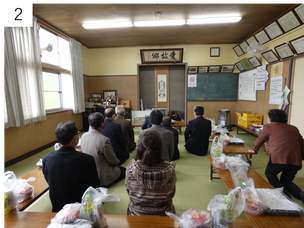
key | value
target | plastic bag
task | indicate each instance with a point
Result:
(238, 173)
(277, 203)
(24, 189)
(39, 163)
(68, 214)
(79, 223)
(94, 212)
(193, 218)
(228, 207)
(10, 190)
(225, 139)
(253, 202)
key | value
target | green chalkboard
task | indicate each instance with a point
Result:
(214, 87)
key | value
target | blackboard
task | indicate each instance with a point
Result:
(214, 87)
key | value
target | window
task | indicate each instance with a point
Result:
(56, 64)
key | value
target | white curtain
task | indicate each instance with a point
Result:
(24, 102)
(76, 71)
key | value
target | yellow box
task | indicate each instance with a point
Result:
(125, 103)
(247, 118)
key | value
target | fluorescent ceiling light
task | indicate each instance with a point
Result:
(117, 24)
(213, 20)
(159, 23)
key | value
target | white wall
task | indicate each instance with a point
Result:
(297, 93)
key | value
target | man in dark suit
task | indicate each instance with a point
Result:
(114, 132)
(126, 127)
(147, 124)
(68, 172)
(166, 124)
(197, 133)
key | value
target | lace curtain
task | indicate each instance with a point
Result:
(23, 103)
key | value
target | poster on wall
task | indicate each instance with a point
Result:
(275, 90)
(162, 88)
(192, 80)
(262, 77)
(247, 85)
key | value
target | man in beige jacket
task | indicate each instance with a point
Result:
(99, 146)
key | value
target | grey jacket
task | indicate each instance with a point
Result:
(99, 146)
(167, 139)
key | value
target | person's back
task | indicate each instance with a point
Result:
(100, 147)
(150, 181)
(197, 133)
(166, 135)
(166, 124)
(114, 132)
(126, 127)
(68, 172)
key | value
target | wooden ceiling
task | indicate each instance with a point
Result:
(68, 18)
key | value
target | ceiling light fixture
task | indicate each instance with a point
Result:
(213, 20)
(117, 24)
(159, 23)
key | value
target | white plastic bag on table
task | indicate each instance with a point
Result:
(216, 152)
(68, 214)
(277, 203)
(95, 213)
(253, 202)
(193, 218)
(24, 189)
(238, 173)
(225, 139)
(10, 190)
(226, 207)
(79, 223)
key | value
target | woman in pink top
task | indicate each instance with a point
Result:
(286, 152)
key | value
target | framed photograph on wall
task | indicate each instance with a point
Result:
(109, 93)
(284, 51)
(273, 30)
(203, 69)
(298, 45)
(253, 43)
(192, 70)
(300, 12)
(270, 56)
(227, 68)
(214, 69)
(288, 21)
(238, 51)
(240, 66)
(246, 64)
(244, 45)
(262, 37)
(254, 61)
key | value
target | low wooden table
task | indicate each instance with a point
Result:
(239, 149)
(264, 220)
(40, 187)
(238, 127)
(42, 219)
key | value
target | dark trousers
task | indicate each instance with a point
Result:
(288, 174)
(121, 177)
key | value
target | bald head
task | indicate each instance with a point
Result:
(109, 113)
(166, 121)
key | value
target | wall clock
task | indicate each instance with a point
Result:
(214, 52)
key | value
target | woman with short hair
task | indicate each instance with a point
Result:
(286, 152)
(150, 181)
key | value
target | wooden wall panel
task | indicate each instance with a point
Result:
(211, 109)
(125, 86)
(161, 70)
(23, 139)
(261, 105)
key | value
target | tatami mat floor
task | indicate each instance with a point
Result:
(193, 187)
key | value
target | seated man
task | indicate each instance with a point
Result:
(68, 172)
(147, 124)
(166, 124)
(197, 133)
(126, 127)
(114, 132)
(99, 146)
(167, 136)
